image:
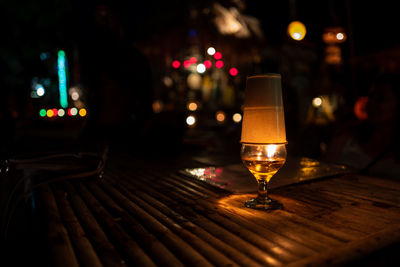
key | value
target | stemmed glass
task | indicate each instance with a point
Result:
(263, 161)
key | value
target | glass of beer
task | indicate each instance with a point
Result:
(263, 161)
(263, 134)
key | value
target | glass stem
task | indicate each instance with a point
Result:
(262, 191)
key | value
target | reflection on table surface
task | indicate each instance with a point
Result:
(236, 178)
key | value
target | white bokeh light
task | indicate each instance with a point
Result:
(211, 51)
(201, 68)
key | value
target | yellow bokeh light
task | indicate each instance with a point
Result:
(237, 117)
(297, 30)
(316, 102)
(220, 116)
(82, 112)
(192, 106)
(50, 113)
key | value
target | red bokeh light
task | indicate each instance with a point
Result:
(187, 63)
(219, 64)
(176, 64)
(69, 112)
(217, 55)
(207, 64)
(360, 108)
(193, 60)
(233, 71)
(55, 111)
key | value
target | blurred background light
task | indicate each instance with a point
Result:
(157, 106)
(194, 81)
(73, 111)
(220, 116)
(62, 78)
(193, 60)
(219, 64)
(360, 108)
(176, 64)
(75, 96)
(192, 106)
(61, 112)
(316, 102)
(42, 112)
(191, 120)
(82, 112)
(201, 68)
(297, 30)
(211, 51)
(44, 56)
(233, 71)
(207, 64)
(40, 90)
(168, 82)
(49, 113)
(186, 63)
(217, 55)
(334, 35)
(237, 117)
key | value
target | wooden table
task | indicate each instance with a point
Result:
(148, 216)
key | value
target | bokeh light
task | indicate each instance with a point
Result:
(194, 81)
(55, 112)
(201, 68)
(191, 120)
(219, 64)
(186, 63)
(220, 116)
(297, 30)
(40, 91)
(61, 112)
(82, 112)
(42, 112)
(233, 71)
(193, 60)
(207, 64)
(360, 108)
(49, 113)
(192, 106)
(316, 102)
(73, 111)
(75, 96)
(176, 64)
(211, 51)
(157, 106)
(217, 55)
(237, 117)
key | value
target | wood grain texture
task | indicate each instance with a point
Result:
(146, 217)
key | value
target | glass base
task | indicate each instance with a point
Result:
(268, 204)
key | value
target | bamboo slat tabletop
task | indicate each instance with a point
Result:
(151, 217)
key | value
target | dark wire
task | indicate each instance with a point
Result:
(11, 209)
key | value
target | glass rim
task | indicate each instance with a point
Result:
(260, 144)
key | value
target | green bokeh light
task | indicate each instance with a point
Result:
(42, 112)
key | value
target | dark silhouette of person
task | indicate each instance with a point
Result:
(372, 146)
